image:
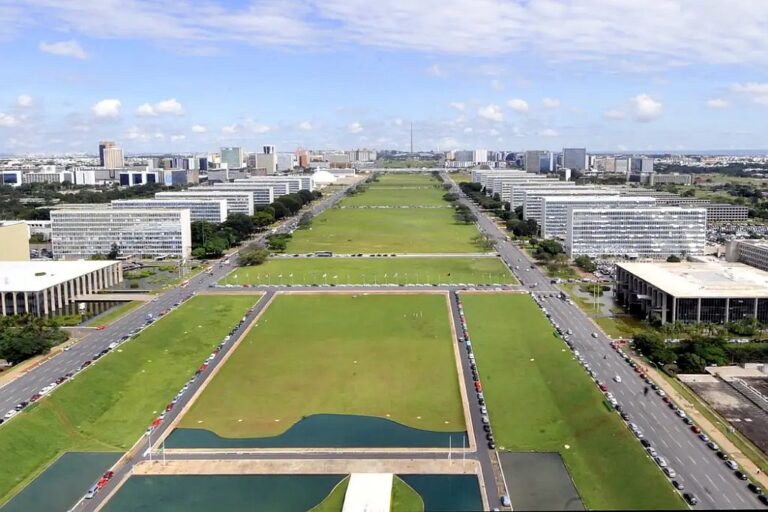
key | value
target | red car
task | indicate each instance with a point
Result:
(35, 397)
(100, 328)
(478, 387)
(695, 429)
(603, 387)
(102, 482)
(108, 475)
(168, 407)
(666, 399)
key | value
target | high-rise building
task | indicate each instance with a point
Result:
(636, 232)
(538, 161)
(575, 159)
(241, 201)
(82, 233)
(556, 209)
(208, 209)
(233, 157)
(110, 155)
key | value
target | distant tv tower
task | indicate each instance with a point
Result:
(411, 138)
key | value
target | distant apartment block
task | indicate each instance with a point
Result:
(12, 178)
(722, 212)
(233, 157)
(750, 252)
(556, 210)
(238, 201)
(575, 159)
(110, 155)
(209, 210)
(83, 233)
(636, 232)
(672, 179)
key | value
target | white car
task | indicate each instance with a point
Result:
(594, 335)
(617, 379)
(10, 414)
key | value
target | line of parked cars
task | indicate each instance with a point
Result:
(156, 422)
(611, 399)
(690, 498)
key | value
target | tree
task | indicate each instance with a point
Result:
(485, 242)
(253, 255)
(673, 259)
(262, 219)
(280, 210)
(691, 363)
(585, 263)
(23, 337)
(241, 225)
(450, 197)
(114, 252)
(306, 220)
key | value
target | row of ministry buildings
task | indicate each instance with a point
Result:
(609, 220)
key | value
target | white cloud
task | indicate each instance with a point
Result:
(24, 100)
(198, 128)
(717, 103)
(468, 129)
(436, 70)
(491, 112)
(7, 121)
(260, 128)
(518, 105)
(755, 91)
(108, 108)
(159, 135)
(458, 106)
(305, 126)
(549, 132)
(646, 108)
(230, 129)
(550, 102)
(355, 128)
(169, 106)
(398, 121)
(176, 138)
(64, 48)
(614, 114)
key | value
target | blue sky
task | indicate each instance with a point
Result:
(196, 75)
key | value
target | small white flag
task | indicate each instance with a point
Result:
(290, 275)
(335, 277)
(325, 275)
(280, 275)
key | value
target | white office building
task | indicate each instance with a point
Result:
(209, 210)
(636, 232)
(10, 177)
(262, 193)
(83, 233)
(49, 177)
(533, 198)
(556, 210)
(516, 191)
(238, 201)
(295, 182)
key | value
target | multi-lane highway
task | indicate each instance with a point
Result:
(31, 382)
(698, 468)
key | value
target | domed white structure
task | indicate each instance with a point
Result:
(323, 178)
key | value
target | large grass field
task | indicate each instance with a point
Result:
(108, 406)
(376, 355)
(398, 230)
(416, 179)
(424, 195)
(540, 399)
(374, 270)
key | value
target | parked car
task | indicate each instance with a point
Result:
(690, 498)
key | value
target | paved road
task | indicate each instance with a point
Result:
(697, 466)
(33, 381)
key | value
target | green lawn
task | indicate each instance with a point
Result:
(375, 355)
(114, 313)
(334, 502)
(108, 406)
(404, 498)
(430, 194)
(540, 399)
(398, 230)
(374, 270)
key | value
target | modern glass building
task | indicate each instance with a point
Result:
(636, 232)
(209, 210)
(82, 233)
(556, 209)
(709, 292)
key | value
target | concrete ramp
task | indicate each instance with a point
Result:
(368, 492)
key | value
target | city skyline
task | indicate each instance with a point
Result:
(540, 74)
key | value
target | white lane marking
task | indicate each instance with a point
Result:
(710, 480)
(693, 461)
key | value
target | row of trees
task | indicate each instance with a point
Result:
(22, 337)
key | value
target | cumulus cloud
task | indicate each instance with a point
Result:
(230, 129)
(169, 106)
(355, 128)
(518, 105)
(305, 126)
(198, 128)
(7, 121)
(108, 108)
(458, 106)
(755, 91)
(646, 108)
(176, 138)
(491, 112)
(550, 102)
(614, 114)
(24, 101)
(549, 132)
(64, 48)
(717, 103)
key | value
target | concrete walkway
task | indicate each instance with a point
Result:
(368, 492)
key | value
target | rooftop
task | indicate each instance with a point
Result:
(703, 279)
(34, 276)
(600, 197)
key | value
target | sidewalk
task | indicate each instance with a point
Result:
(706, 426)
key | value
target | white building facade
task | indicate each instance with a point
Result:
(241, 201)
(209, 210)
(556, 210)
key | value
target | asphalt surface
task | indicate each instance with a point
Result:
(697, 467)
